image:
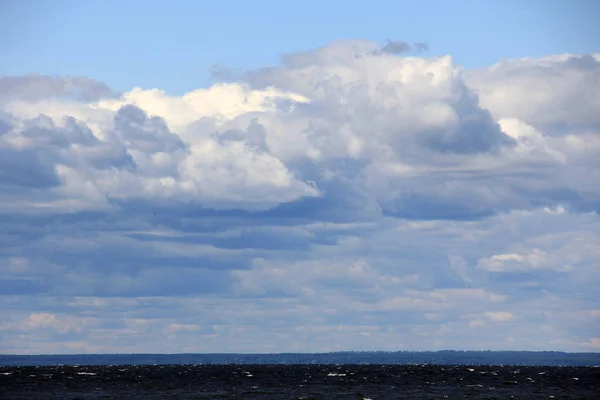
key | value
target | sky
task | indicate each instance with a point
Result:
(172, 45)
(319, 176)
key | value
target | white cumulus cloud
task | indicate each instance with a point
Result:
(350, 198)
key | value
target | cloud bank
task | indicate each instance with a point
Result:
(352, 198)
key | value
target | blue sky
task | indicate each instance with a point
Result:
(342, 189)
(172, 45)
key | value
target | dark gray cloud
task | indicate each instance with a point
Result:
(45, 133)
(255, 136)
(26, 168)
(396, 47)
(5, 126)
(476, 131)
(141, 132)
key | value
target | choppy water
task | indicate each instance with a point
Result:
(376, 382)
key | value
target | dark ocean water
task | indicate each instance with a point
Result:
(376, 382)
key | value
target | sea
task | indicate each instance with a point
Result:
(273, 382)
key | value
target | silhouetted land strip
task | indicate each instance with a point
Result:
(446, 357)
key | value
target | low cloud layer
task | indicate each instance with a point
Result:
(353, 198)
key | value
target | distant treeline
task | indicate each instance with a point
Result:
(446, 357)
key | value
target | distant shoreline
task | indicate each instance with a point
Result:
(442, 357)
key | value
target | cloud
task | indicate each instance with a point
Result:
(221, 73)
(558, 92)
(350, 198)
(36, 87)
(499, 316)
(137, 155)
(395, 47)
(399, 46)
(593, 343)
(507, 262)
(420, 46)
